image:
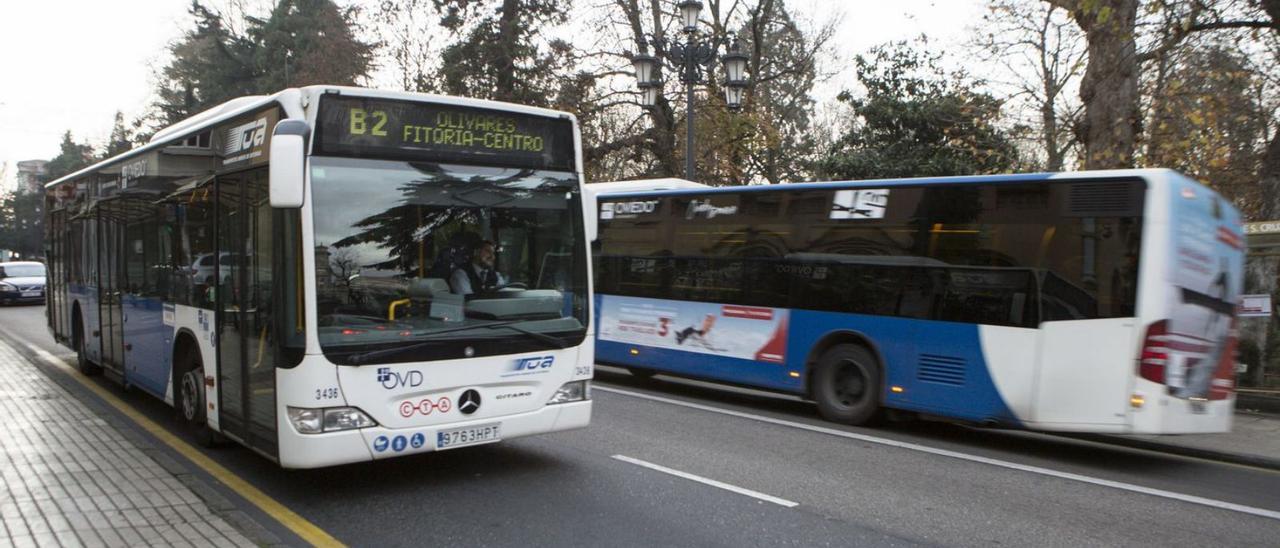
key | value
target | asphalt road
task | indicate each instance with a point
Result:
(814, 483)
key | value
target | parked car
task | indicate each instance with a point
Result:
(21, 282)
(203, 267)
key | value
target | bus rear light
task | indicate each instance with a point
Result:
(1155, 352)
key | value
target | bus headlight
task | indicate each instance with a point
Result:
(571, 392)
(333, 419)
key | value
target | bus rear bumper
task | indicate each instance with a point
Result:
(1161, 416)
(320, 450)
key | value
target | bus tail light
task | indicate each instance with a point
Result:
(1155, 352)
(333, 419)
(571, 392)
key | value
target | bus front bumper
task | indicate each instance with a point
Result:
(320, 450)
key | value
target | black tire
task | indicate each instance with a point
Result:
(86, 367)
(189, 398)
(846, 385)
(641, 373)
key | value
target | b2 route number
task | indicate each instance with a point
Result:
(360, 122)
(327, 393)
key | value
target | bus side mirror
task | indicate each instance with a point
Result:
(591, 214)
(288, 163)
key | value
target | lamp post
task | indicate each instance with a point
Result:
(690, 57)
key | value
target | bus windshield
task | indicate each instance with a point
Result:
(437, 256)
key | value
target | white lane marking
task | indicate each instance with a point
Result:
(1212, 503)
(708, 481)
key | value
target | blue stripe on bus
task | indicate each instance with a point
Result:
(771, 376)
(939, 365)
(148, 361)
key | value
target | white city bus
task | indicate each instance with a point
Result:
(1087, 302)
(331, 275)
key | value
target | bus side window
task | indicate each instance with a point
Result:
(197, 250)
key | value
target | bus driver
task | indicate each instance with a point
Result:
(478, 275)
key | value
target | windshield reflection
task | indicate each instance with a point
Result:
(406, 253)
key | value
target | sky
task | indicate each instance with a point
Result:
(71, 64)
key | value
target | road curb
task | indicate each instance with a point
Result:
(215, 501)
(1259, 402)
(1173, 449)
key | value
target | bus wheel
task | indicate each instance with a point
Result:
(85, 366)
(191, 402)
(846, 385)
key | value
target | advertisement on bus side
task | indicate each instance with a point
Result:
(735, 331)
(1208, 254)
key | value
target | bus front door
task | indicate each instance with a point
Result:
(246, 361)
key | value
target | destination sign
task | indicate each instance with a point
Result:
(405, 130)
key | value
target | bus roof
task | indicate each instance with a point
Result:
(882, 183)
(291, 99)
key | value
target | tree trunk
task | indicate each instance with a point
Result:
(509, 31)
(1049, 117)
(1109, 89)
(1049, 83)
(1269, 179)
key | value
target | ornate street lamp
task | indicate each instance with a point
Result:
(689, 11)
(689, 57)
(735, 75)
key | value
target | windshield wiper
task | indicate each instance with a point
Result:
(365, 357)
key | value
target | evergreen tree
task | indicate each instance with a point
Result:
(916, 120)
(72, 157)
(499, 52)
(210, 64)
(22, 223)
(301, 42)
(22, 213)
(121, 139)
(307, 42)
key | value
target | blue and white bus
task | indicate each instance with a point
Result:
(330, 274)
(1087, 302)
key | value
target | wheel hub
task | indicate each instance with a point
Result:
(190, 395)
(850, 383)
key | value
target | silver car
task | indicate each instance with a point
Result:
(21, 282)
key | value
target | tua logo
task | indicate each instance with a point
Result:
(392, 379)
(534, 364)
(246, 136)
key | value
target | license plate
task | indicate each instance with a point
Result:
(30, 293)
(470, 435)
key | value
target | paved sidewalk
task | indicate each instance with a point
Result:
(1254, 440)
(68, 478)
